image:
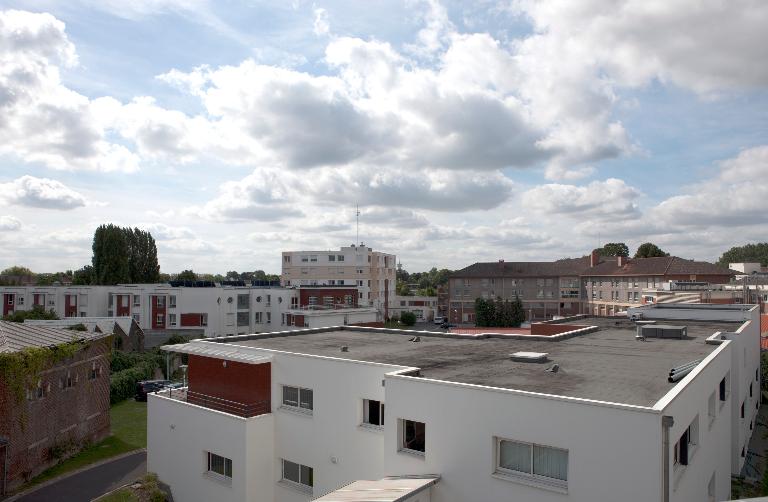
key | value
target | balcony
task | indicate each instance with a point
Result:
(244, 410)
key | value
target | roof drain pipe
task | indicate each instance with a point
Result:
(666, 423)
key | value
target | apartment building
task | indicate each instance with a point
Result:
(587, 412)
(546, 289)
(423, 307)
(371, 272)
(210, 310)
(56, 411)
(601, 286)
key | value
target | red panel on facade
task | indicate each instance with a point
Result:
(38, 299)
(189, 320)
(338, 295)
(9, 301)
(157, 312)
(538, 328)
(123, 305)
(230, 384)
(298, 320)
(70, 305)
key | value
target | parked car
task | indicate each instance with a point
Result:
(146, 386)
(439, 319)
(446, 325)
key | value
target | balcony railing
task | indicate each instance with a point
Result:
(337, 306)
(239, 409)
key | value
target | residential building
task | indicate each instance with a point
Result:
(424, 307)
(585, 410)
(546, 289)
(205, 310)
(371, 272)
(52, 411)
(126, 334)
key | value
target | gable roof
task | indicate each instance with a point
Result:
(662, 265)
(16, 336)
(102, 324)
(566, 266)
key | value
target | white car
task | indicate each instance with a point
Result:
(439, 319)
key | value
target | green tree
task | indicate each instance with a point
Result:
(749, 253)
(402, 289)
(83, 276)
(142, 256)
(17, 270)
(518, 312)
(110, 256)
(614, 249)
(186, 275)
(37, 312)
(649, 250)
(408, 318)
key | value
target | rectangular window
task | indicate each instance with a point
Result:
(203, 319)
(243, 318)
(172, 301)
(269, 317)
(373, 412)
(172, 319)
(286, 259)
(331, 257)
(532, 460)
(136, 300)
(741, 413)
(160, 301)
(340, 257)
(258, 318)
(413, 436)
(724, 388)
(219, 465)
(160, 319)
(21, 300)
(688, 440)
(298, 397)
(313, 257)
(299, 474)
(304, 258)
(750, 389)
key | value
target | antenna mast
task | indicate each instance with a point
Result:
(357, 224)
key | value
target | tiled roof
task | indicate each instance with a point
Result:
(15, 336)
(105, 324)
(665, 265)
(567, 266)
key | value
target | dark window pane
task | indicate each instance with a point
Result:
(290, 396)
(306, 399)
(291, 471)
(414, 433)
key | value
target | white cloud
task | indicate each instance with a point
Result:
(611, 198)
(40, 192)
(9, 224)
(322, 26)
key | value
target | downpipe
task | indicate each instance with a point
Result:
(666, 423)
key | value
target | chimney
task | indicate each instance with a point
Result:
(594, 259)
(622, 260)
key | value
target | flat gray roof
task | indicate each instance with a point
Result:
(605, 365)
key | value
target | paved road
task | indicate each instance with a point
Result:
(91, 483)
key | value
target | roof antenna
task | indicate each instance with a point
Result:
(357, 219)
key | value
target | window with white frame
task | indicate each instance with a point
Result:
(258, 318)
(172, 301)
(136, 300)
(21, 300)
(530, 460)
(172, 319)
(218, 465)
(160, 318)
(340, 257)
(412, 436)
(301, 476)
(269, 317)
(373, 413)
(313, 257)
(298, 398)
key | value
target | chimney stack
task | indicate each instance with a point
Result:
(622, 260)
(594, 259)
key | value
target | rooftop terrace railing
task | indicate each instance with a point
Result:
(239, 409)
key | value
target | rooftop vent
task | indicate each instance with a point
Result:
(415, 339)
(662, 331)
(345, 348)
(529, 357)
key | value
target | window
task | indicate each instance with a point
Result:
(21, 300)
(219, 465)
(340, 257)
(532, 460)
(298, 397)
(741, 413)
(413, 436)
(66, 382)
(269, 300)
(258, 318)
(711, 413)
(10, 299)
(203, 319)
(298, 474)
(373, 413)
(136, 300)
(331, 257)
(304, 258)
(160, 319)
(243, 301)
(313, 257)
(269, 317)
(160, 301)
(243, 318)
(685, 445)
(172, 319)
(750, 389)
(286, 259)
(724, 388)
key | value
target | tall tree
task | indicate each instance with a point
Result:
(110, 255)
(614, 249)
(186, 275)
(142, 256)
(83, 276)
(649, 250)
(518, 312)
(749, 253)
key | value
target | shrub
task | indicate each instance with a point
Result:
(122, 384)
(408, 318)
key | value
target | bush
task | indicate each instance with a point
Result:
(408, 318)
(128, 368)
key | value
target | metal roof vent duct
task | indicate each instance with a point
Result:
(663, 331)
(529, 357)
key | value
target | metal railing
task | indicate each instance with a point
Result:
(239, 409)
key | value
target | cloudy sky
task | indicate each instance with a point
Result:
(465, 131)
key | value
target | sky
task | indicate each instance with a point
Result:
(463, 131)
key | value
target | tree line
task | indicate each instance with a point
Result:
(427, 282)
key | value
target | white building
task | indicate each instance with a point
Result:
(299, 416)
(424, 307)
(162, 309)
(372, 272)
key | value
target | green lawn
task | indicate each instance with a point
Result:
(129, 432)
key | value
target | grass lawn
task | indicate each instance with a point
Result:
(129, 432)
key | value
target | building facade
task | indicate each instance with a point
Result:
(162, 310)
(52, 413)
(424, 307)
(309, 416)
(371, 272)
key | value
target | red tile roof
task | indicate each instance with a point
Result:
(665, 265)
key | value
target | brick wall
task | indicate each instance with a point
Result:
(71, 415)
(239, 382)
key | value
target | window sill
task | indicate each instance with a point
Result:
(415, 453)
(296, 411)
(554, 485)
(222, 480)
(298, 487)
(371, 427)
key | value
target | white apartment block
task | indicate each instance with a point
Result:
(162, 309)
(336, 414)
(372, 272)
(424, 307)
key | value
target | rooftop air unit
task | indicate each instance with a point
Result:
(663, 331)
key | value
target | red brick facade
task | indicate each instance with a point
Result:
(73, 409)
(229, 381)
(339, 296)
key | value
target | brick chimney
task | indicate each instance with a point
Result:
(622, 260)
(594, 259)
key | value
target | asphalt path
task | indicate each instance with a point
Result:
(91, 483)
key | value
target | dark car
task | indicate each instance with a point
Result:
(146, 386)
(447, 325)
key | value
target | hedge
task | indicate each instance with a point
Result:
(122, 384)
